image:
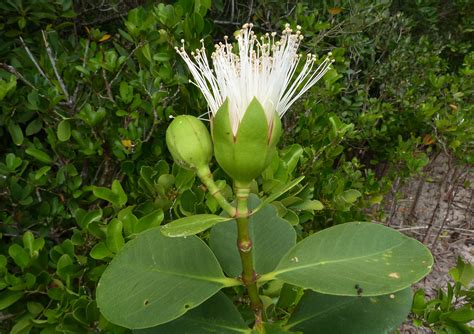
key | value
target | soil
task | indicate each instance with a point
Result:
(437, 209)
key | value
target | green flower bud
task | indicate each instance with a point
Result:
(189, 142)
(245, 155)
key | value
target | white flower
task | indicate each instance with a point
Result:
(263, 68)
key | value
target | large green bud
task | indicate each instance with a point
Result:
(189, 142)
(246, 154)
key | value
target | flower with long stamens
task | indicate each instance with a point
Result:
(248, 90)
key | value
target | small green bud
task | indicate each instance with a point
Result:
(245, 155)
(189, 142)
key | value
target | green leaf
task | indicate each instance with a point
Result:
(152, 219)
(23, 326)
(16, 133)
(39, 155)
(64, 130)
(116, 195)
(12, 161)
(350, 315)
(28, 241)
(464, 315)
(42, 171)
(126, 92)
(100, 251)
(313, 205)
(62, 266)
(34, 308)
(350, 196)
(191, 225)
(271, 235)
(272, 328)
(291, 156)
(155, 279)
(105, 194)
(19, 255)
(8, 298)
(128, 219)
(84, 218)
(216, 315)
(280, 190)
(34, 126)
(114, 239)
(463, 272)
(118, 190)
(376, 258)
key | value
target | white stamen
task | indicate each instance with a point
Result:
(262, 67)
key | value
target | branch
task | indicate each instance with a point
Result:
(12, 70)
(53, 64)
(40, 70)
(107, 87)
(76, 91)
(125, 62)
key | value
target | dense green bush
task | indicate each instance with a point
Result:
(85, 99)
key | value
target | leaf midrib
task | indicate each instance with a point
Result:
(296, 268)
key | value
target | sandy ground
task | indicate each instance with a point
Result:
(437, 209)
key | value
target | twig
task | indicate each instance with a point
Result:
(155, 114)
(438, 202)
(227, 22)
(413, 228)
(153, 126)
(107, 86)
(76, 91)
(125, 62)
(393, 205)
(411, 214)
(12, 70)
(450, 198)
(55, 69)
(250, 11)
(40, 70)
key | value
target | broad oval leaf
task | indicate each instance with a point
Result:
(350, 195)
(191, 225)
(271, 235)
(321, 313)
(373, 257)
(155, 279)
(64, 130)
(39, 155)
(114, 239)
(216, 315)
(8, 298)
(16, 133)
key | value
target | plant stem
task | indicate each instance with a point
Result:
(245, 246)
(204, 173)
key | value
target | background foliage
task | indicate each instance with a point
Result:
(86, 92)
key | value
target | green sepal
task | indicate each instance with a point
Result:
(246, 155)
(275, 135)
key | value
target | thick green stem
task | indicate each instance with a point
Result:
(205, 175)
(245, 246)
